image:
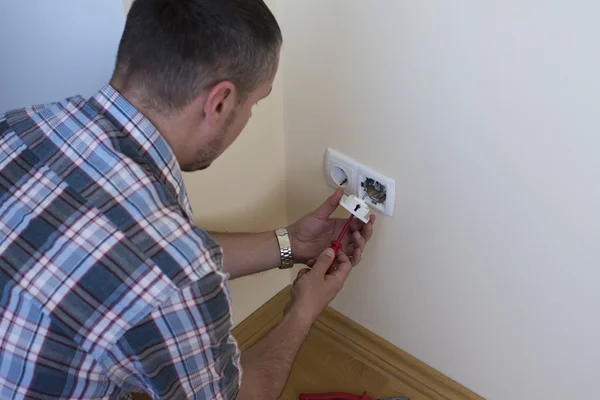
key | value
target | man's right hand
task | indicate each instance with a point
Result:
(314, 288)
(268, 363)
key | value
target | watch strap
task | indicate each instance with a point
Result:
(285, 248)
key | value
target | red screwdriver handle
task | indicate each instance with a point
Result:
(337, 244)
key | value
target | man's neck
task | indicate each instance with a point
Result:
(172, 127)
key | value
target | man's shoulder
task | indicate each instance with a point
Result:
(52, 107)
(33, 119)
(104, 166)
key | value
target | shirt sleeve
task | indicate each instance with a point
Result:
(184, 348)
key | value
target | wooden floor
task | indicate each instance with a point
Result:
(325, 366)
(341, 356)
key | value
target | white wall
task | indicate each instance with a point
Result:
(52, 50)
(487, 114)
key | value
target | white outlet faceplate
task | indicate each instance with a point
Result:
(362, 181)
(339, 169)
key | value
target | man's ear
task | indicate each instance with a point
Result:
(220, 102)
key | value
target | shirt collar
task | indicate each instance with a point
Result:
(154, 148)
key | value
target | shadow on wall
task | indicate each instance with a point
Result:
(252, 217)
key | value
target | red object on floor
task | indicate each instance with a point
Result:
(334, 396)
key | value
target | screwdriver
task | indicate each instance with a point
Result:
(357, 208)
(336, 245)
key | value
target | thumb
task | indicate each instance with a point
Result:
(330, 205)
(324, 261)
(344, 267)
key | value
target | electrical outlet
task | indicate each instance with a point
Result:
(340, 171)
(376, 189)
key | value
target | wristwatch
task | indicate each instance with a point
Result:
(285, 248)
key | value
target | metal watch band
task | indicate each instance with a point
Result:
(285, 248)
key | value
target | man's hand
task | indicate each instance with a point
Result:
(268, 363)
(314, 232)
(315, 288)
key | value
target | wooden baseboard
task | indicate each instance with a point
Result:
(416, 379)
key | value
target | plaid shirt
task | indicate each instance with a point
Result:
(106, 286)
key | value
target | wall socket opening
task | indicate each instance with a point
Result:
(339, 176)
(341, 171)
(375, 190)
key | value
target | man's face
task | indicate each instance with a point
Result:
(230, 130)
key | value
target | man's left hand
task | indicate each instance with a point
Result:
(314, 232)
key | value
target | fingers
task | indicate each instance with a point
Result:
(367, 230)
(330, 205)
(359, 240)
(355, 241)
(323, 262)
(300, 274)
(356, 225)
(343, 269)
(350, 249)
(361, 236)
(356, 256)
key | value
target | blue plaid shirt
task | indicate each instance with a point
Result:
(106, 285)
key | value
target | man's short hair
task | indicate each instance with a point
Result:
(172, 50)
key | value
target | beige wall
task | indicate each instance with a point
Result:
(244, 190)
(487, 115)
(127, 5)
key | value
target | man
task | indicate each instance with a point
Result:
(106, 286)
